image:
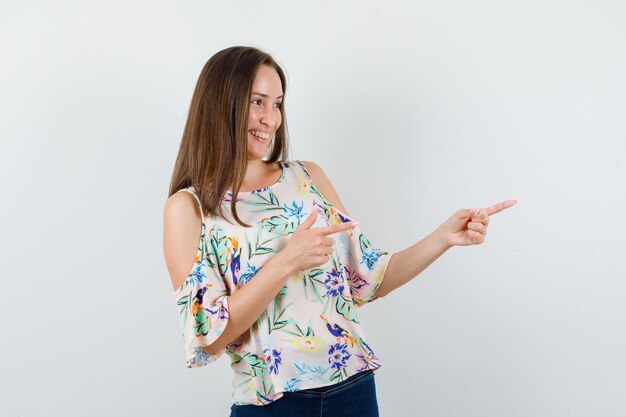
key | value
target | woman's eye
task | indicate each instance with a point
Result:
(258, 101)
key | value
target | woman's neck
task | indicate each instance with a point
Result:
(259, 174)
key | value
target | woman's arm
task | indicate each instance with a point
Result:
(465, 227)
(407, 264)
(182, 223)
(403, 266)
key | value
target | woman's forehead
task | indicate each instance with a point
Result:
(267, 83)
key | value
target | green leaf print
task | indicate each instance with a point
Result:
(299, 332)
(201, 326)
(184, 300)
(273, 319)
(339, 374)
(281, 224)
(315, 191)
(364, 345)
(184, 304)
(234, 356)
(311, 282)
(250, 251)
(255, 363)
(220, 246)
(259, 248)
(266, 393)
(345, 308)
(364, 242)
(310, 371)
(264, 251)
(256, 366)
(282, 293)
(266, 198)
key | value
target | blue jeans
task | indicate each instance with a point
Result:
(356, 396)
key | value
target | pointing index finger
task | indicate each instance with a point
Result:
(334, 228)
(496, 208)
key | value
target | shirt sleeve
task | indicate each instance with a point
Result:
(364, 267)
(202, 302)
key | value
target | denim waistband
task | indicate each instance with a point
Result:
(332, 389)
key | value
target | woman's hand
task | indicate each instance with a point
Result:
(469, 226)
(309, 246)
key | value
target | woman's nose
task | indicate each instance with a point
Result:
(268, 118)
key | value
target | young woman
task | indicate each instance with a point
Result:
(267, 265)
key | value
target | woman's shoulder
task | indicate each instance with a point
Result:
(181, 199)
(322, 183)
(313, 170)
(182, 229)
(306, 166)
(182, 206)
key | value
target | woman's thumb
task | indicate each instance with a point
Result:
(465, 213)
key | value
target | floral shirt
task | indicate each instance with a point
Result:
(310, 334)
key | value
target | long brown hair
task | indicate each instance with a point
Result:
(213, 152)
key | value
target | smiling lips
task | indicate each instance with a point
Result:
(260, 135)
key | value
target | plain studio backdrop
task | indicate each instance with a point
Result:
(413, 109)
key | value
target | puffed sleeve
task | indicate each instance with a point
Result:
(202, 302)
(364, 266)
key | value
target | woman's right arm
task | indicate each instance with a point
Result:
(307, 248)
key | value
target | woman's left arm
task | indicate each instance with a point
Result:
(463, 228)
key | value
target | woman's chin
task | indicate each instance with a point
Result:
(256, 154)
(256, 151)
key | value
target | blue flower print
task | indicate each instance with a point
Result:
(294, 210)
(201, 357)
(334, 282)
(250, 271)
(198, 275)
(370, 257)
(338, 355)
(272, 359)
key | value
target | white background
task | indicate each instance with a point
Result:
(413, 109)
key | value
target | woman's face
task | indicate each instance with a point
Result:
(264, 117)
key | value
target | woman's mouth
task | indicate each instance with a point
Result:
(260, 136)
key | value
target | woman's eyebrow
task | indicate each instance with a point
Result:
(265, 95)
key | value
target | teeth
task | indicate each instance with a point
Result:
(260, 134)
